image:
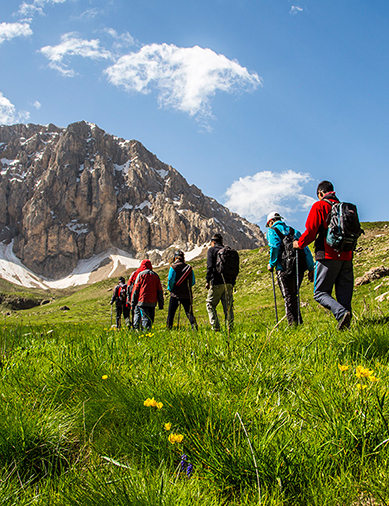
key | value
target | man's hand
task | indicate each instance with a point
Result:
(269, 268)
(311, 276)
(296, 245)
(207, 286)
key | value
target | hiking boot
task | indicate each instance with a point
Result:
(344, 322)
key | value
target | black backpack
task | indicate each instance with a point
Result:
(227, 262)
(122, 294)
(288, 253)
(343, 226)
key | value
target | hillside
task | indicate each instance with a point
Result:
(253, 292)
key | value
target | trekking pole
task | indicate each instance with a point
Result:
(179, 311)
(274, 296)
(228, 320)
(298, 288)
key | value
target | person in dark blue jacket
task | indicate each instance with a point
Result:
(181, 278)
(287, 282)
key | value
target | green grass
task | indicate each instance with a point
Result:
(266, 414)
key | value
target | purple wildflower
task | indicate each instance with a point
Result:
(183, 462)
(189, 470)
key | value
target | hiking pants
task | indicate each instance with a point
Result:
(187, 305)
(225, 294)
(143, 316)
(288, 287)
(339, 273)
(125, 311)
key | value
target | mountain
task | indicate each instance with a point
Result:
(77, 193)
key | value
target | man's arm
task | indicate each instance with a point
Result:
(316, 217)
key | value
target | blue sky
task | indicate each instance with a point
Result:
(253, 101)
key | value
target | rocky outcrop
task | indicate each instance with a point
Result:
(372, 275)
(68, 194)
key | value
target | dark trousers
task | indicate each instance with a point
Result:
(288, 287)
(338, 274)
(173, 305)
(121, 310)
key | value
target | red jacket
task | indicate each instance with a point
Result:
(316, 230)
(147, 288)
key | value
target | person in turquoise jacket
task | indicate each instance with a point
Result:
(180, 281)
(287, 282)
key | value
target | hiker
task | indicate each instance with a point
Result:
(180, 281)
(283, 260)
(220, 285)
(146, 294)
(332, 267)
(120, 296)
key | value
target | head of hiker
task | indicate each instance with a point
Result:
(179, 255)
(272, 218)
(217, 239)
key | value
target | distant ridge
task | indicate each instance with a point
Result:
(76, 193)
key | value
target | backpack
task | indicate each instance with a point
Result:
(122, 294)
(343, 226)
(227, 262)
(288, 253)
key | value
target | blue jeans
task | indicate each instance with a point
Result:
(144, 316)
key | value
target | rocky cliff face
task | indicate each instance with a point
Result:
(67, 194)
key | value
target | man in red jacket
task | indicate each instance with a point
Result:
(146, 294)
(332, 268)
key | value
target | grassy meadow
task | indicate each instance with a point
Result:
(265, 415)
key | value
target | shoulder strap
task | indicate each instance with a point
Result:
(185, 273)
(279, 233)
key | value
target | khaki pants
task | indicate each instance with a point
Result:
(225, 294)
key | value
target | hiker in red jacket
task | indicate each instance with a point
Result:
(332, 268)
(147, 293)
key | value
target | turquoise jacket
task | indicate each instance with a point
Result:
(275, 246)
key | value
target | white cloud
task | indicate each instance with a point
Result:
(36, 7)
(37, 104)
(72, 45)
(255, 196)
(295, 9)
(8, 114)
(120, 40)
(185, 78)
(10, 30)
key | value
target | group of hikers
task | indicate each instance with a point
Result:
(331, 224)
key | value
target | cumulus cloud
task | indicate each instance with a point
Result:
(255, 196)
(8, 114)
(185, 78)
(295, 9)
(72, 45)
(10, 30)
(37, 104)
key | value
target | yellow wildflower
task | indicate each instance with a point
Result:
(168, 426)
(104, 377)
(361, 387)
(153, 403)
(363, 372)
(175, 438)
(343, 368)
(372, 378)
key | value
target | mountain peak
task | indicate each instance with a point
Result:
(75, 192)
